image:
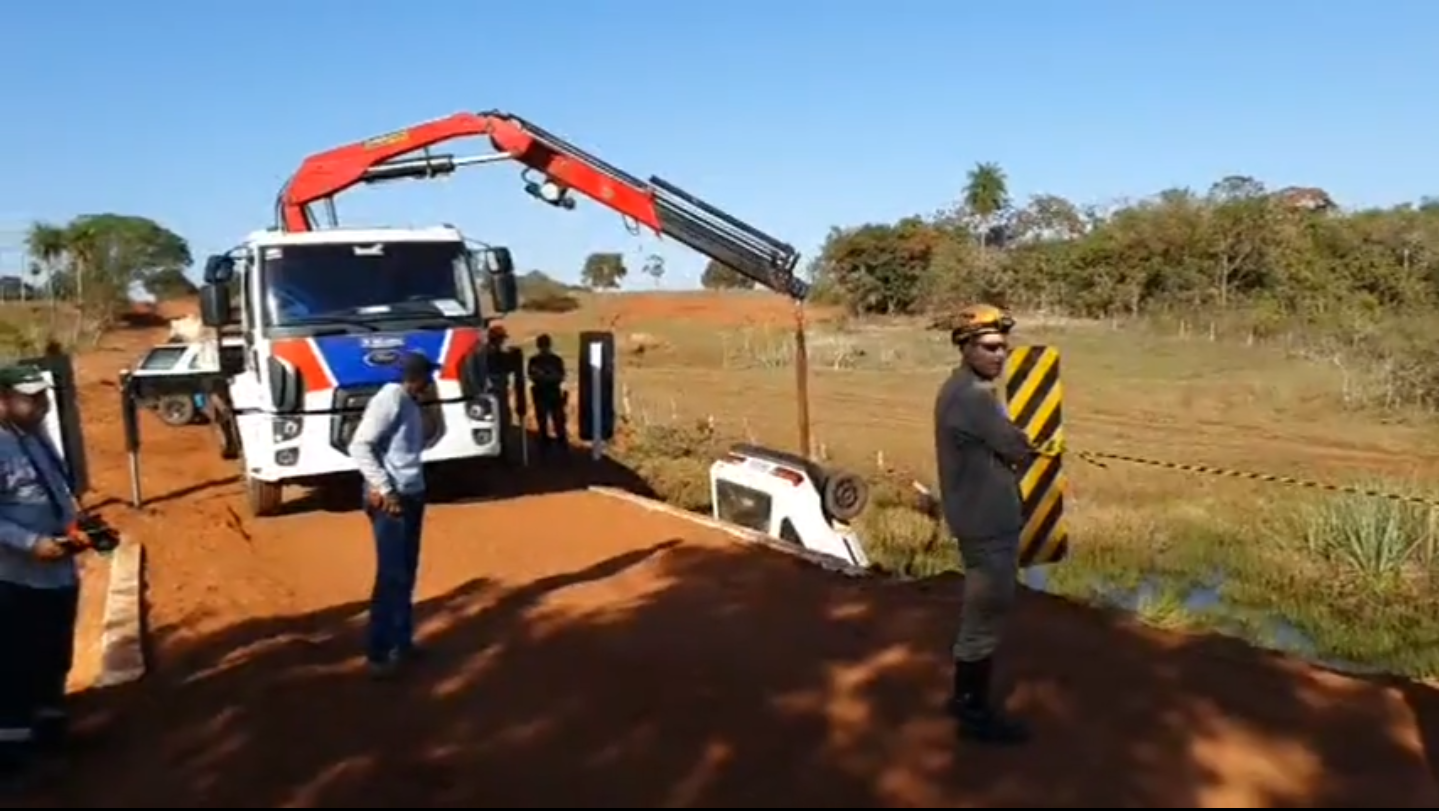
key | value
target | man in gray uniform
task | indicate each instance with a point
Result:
(979, 451)
(39, 586)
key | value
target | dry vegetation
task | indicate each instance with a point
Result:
(1341, 579)
(27, 328)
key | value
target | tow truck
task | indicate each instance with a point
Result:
(325, 312)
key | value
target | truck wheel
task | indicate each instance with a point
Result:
(176, 409)
(265, 498)
(844, 496)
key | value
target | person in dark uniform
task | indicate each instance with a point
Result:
(980, 453)
(546, 371)
(39, 583)
(499, 369)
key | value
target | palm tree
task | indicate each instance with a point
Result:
(69, 253)
(986, 195)
(46, 243)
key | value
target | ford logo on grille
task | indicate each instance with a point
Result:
(382, 357)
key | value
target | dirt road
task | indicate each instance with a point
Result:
(589, 653)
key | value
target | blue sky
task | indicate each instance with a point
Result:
(795, 116)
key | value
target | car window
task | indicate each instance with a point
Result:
(162, 358)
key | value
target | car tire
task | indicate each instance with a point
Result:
(844, 495)
(176, 409)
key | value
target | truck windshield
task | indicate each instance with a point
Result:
(305, 284)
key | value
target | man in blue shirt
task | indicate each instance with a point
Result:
(39, 586)
(386, 448)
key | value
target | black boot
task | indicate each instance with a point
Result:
(15, 760)
(52, 733)
(978, 718)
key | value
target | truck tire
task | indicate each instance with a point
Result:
(844, 496)
(176, 409)
(265, 498)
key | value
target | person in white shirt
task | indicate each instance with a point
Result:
(386, 447)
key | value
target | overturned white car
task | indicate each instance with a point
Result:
(789, 497)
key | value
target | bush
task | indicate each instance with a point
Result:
(24, 339)
(694, 440)
(674, 460)
(550, 301)
(1379, 541)
(541, 294)
(683, 482)
(904, 542)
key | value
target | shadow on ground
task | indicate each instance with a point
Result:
(547, 471)
(733, 678)
(143, 319)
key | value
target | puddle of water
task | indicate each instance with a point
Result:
(1279, 633)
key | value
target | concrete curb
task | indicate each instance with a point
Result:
(122, 648)
(737, 532)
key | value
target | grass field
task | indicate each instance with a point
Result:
(1347, 580)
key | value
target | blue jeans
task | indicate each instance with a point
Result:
(397, 561)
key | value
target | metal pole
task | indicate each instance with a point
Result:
(597, 413)
(131, 419)
(801, 380)
(135, 479)
(522, 401)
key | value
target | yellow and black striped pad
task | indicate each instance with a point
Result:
(1034, 399)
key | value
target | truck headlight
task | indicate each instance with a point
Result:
(284, 429)
(481, 409)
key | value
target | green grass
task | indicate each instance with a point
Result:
(1380, 542)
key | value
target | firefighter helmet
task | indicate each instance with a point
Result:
(980, 319)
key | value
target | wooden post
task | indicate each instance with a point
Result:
(801, 379)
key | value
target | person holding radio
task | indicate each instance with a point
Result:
(39, 583)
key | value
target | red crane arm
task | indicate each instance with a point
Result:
(656, 203)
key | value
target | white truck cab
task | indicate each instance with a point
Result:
(325, 318)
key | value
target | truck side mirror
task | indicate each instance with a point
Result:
(219, 268)
(504, 292)
(215, 305)
(498, 269)
(499, 262)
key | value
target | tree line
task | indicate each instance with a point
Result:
(95, 261)
(607, 270)
(1278, 255)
